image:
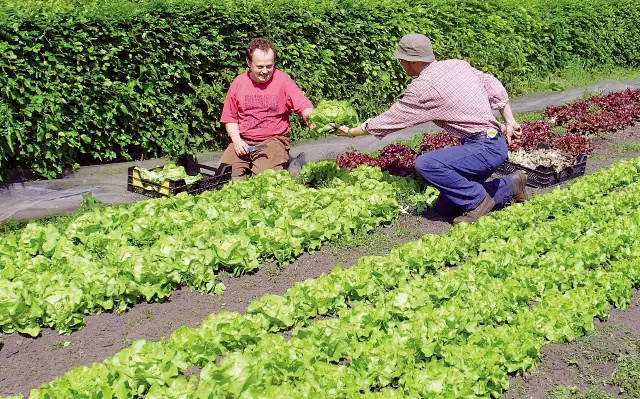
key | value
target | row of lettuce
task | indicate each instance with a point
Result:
(406, 324)
(96, 81)
(52, 275)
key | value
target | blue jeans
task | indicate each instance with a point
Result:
(461, 173)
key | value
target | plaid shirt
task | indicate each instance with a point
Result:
(450, 93)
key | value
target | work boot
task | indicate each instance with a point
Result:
(471, 216)
(296, 164)
(519, 179)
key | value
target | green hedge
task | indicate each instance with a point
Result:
(86, 82)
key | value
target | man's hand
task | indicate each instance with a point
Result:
(340, 130)
(347, 131)
(514, 132)
(240, 147)
(305, 118)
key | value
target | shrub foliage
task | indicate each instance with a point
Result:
(85, 82)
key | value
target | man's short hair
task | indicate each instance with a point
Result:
(260, 44)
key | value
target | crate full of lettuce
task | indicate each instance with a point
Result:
(174, 178)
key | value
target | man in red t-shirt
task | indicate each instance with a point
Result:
(256, 113)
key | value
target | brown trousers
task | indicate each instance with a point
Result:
(275, 156)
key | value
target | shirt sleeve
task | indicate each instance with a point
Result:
(230, 107)
(413, 108)
(498, 97)
(295, 97)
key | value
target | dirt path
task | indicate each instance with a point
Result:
(26, 362)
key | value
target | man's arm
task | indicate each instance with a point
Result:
(349, 131)
(298, 101)
(514, 130)
(499, 100)
(496, 93)
(416, 106)
(305, 116)
(230, 119)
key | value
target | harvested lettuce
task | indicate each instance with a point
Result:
(333, 111)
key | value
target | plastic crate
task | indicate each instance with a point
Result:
(544, 176)
(212, 178)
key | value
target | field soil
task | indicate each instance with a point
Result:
(26, 362)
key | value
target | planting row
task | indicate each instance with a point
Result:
(114, 256)
(530, 274)
(606, 113)
(431, 323)
(398, 159)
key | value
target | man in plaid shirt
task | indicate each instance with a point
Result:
(460, 99)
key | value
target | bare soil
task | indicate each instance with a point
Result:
(26, 362)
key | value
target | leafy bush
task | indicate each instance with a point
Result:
(91, 82)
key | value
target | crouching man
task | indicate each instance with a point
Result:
(460, 99)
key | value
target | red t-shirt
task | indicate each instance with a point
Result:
(262, 110)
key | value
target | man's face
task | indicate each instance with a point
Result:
(409, 68)
(261, 66)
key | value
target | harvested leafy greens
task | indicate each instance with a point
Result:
(169, 171)
(544, 157)
(333, 111)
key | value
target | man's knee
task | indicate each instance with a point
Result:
(239, 165)
(425, 165)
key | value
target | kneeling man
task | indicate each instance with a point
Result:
(256, 113)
